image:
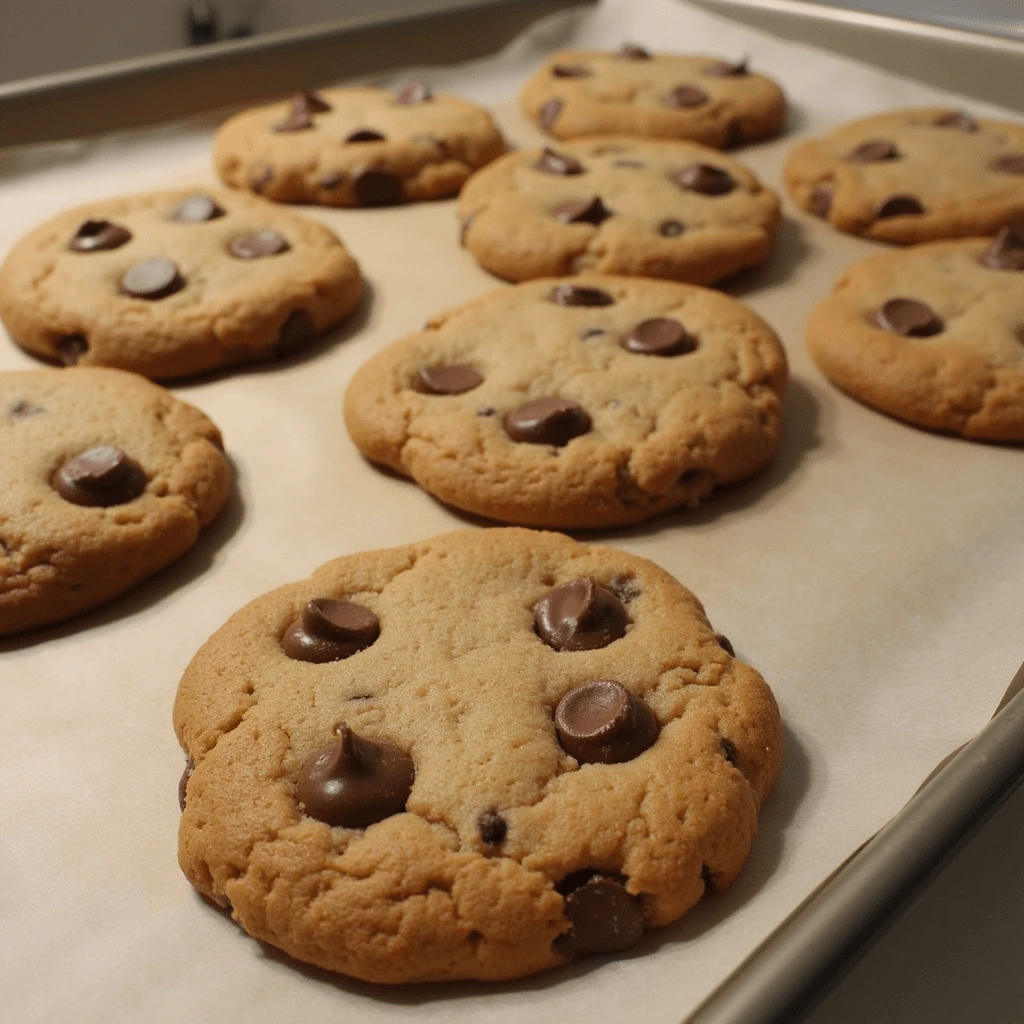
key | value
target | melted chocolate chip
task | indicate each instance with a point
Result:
(671, 228)
(558, 163)
(1005, 253)
(575, 295)
(723, 641)
(908, 317)
(364, 135)
(1012, 163)
(152, 279)
(97, 235)
(630, 51)
(196, 208)
(455, 379)
(378, 188)
(549, 113)
(190, 767)
(580, 616)
(821, 200)
(412, 93)
(706, 179)
(570, 71)
(728, 750)
(104, 476)
(684, 96)
(605, 917)
(71, 348)
(582, 211)
(296, 333)
(554, 421)
(330, 630)
(355, 782)
(661, 336)
(493, 828)
(601, 722)
(874, 151)
(955, 119)
(259, 243)
(726, 69)
(898, 206)
(262, 178)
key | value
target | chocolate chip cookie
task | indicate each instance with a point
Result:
(107, 478)
(357, 147)
(659, 96)
(510, 749)
(933, 335)
(673, 210)
(174, 283)
(596, 401)
(913, 176)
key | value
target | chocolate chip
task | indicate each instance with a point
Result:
(311, 101)
(630, 51)
(298, 119)
(582, 211)
(1005, 253)
(259, 243)
(723, 641)
(355, 782)
(296, 333)
(549, 113)
(734, 135)
(706, 179)
(152, 279)
(955, 119)
(455, 379)
(592, 332)
(626, 588)
(601, 722)
(378, 188)
(364, 135)
(635, 164)
(195, 208)
(671, 228)
(874, 151)
(71, 348)
(897, 206)
(605, 917)
(558, 163)
(728, 751)
(493, 828)
(580, 616)
(413, 92)
(190, 767)
(262, 178)
(1012, 163)
(575, 295)
(332, 180)
(686, 96)
(487, 410)
(22, 410)
(908, 317)
(661, 336)
(330, 630)
(821, 200)
(95, 235)
(554, 421)
(104, 475)
(570, 71)
(726, 69)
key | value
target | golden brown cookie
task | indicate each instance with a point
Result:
(913, 176)
(525, 749)
(174, 283)
(107, 478)
(597, 401)
(357, 147)
(672, 210)
(933, 335)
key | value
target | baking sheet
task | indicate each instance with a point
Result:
(872, 574)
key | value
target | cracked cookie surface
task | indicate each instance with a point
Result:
(511, 855)
(79, 523)
(174, 283)
(933, 335)
(588, 402)
(674, 210)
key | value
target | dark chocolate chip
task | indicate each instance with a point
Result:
(262, 178)
(558, 163)
(575, 295)
(71, 348)
(332, 180)
(726, 69)
(626, 589)
(821, 200)
(554, 421)
(259, 243)
(630, 51)
(580, 616)
(298, 119)
(311, 101)
(706, 877)
(493, 828)
(570, 71)
(364, 135)
(296, 333)
(455, 379)
(196, 208)
(378, 188)
(190, 767)
(635, 164)
(728, 750)
(898, 206)
(152, 279)
(661, 336)
(96, 235)
(1012, 163)
(955, 119)
(330, 630)
(592, 332)
(22, 410)
(706, 179)
(908, 317)
(413, 92)
(605, 917)
(549, 113)
(671, 228)
(355, 782)
(104, 475)
(874, 151)
(686, 96)
(582, 211)
(601, 722)
(1005, 253)
(723, 641)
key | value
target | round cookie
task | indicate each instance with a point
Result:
(593, 402)
(107, 478)
(357, 147)
(658, 96)
(913, 176)
(673, 210)
(542, 750)
(175, 283)
(933, 335)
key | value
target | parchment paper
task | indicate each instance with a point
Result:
(873, 574)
